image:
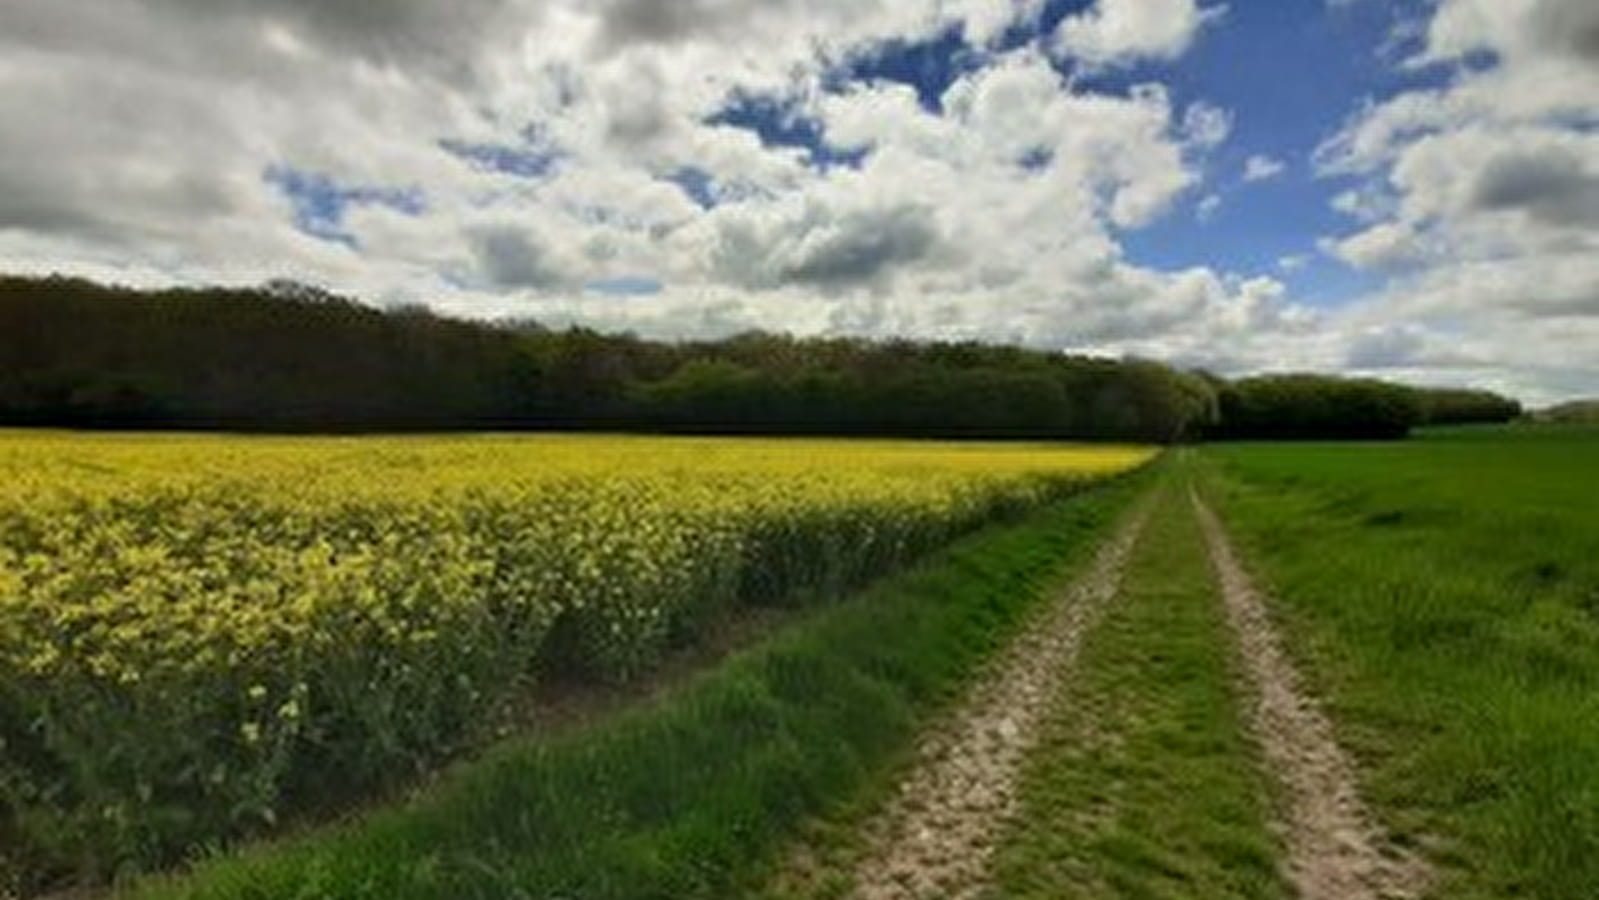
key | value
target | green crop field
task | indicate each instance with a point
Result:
(1444, 591)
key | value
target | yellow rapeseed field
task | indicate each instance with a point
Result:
(196, 632)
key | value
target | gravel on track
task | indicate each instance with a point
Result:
(935, 836)
(1335, 849)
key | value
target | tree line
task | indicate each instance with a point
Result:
(290, 357)
(1305, 406)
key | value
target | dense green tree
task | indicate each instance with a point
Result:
(290, 356)
(1317, 407)
(1458, 406)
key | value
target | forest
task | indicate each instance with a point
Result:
(290, 357)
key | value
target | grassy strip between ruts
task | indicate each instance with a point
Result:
(1444, 597)
(1144, 783)
(694, 795)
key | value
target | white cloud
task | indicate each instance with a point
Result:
(1380, 246)
(1371, 202)
(1207, 207)
(1206, 125)
(1261, 168)
(1120, 32)
(1485, 193)
(985, 21)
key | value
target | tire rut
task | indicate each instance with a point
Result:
(935, 837)
(1335, 849)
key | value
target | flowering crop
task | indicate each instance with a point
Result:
(197, 633)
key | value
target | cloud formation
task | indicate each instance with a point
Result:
(1120, 32)
(1484, 193)
(1260, 167)
(554, 144)
(499, 157)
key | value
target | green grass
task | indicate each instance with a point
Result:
(1143, 783)
(1444, 594)
(695, 795)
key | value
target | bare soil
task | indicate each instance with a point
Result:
(1335, 849)
(934, 838)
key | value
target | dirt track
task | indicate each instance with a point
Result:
(935, 837)
(1335, 849)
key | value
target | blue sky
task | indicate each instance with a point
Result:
(1290, 72)
(1402, 188)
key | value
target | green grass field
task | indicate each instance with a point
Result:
(1444, 594)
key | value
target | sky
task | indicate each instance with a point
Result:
(1401, 188)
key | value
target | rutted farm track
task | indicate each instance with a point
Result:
(935, 837)
(1335, 851)
(1147, 735)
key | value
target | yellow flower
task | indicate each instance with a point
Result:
(170, 570)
